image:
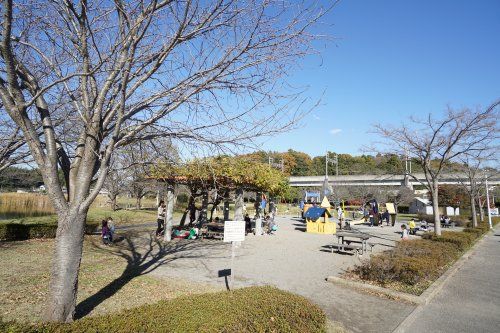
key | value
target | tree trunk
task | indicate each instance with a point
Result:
(481, 210)
(238, 205)
(258, 219)
(192, 210)
(113, 203)
(169, 214)
(66, 265)
(138, 202)
(204, 208)
(226, 206)
(435, 208)
(473, 211)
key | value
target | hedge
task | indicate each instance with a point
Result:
(20, 231)
(462, 240)
(410, 262)
(416, 263)
(253, 309)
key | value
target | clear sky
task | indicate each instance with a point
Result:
(393, 59)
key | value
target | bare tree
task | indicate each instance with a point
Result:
(434, 142)
(472, 174)
(115, 183)
(13, 148)
(205, 71)
(401, 196)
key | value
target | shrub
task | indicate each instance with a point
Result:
(462, 240)
(478, 232)
(254, 309)
(20, 231)
(425, 217)
(459, 220)
(410, 262)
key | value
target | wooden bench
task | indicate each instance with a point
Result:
(213, 234)
(346, 247)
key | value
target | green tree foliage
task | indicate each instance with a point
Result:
(18, 178)
(226, 173)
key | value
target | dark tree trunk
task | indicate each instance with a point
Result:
(113, 202)
(204, 207)
(66, 265)
(217, 202)
(192, 210)
(138, 202)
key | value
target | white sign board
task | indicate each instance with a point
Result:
(494, 211)
(234, 231)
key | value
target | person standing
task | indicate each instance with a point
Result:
(340, 214)
(161, 218)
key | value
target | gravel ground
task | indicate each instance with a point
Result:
(299, 262)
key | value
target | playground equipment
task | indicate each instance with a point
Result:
(317, 219)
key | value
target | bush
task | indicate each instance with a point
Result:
(459, 220)
(411, 262)
(425, 217)
(254, 309)
(462, 240)
(20, 231)
(478, 232)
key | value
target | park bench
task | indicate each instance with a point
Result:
(347, 247)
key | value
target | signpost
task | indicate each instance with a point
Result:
(234, 232)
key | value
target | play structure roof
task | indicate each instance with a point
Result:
(314, 213)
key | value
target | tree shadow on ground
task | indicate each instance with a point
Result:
(144, 253)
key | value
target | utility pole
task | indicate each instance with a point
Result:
(336, 161)
(326, 165)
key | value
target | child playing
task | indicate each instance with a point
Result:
(404, 232)
(107, 238)
(413, 231)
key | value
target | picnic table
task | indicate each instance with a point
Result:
(345, 238)
(213, 230)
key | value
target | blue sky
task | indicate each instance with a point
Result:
(393, 59)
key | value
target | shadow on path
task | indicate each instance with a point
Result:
(144, 253)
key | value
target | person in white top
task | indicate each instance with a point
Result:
(161, 218)
(340, 214)
(404, 232)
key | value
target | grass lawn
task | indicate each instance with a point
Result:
(25, 271)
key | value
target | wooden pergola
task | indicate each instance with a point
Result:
(206, 184)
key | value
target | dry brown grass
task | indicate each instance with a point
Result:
(14, 205)
(25, 272)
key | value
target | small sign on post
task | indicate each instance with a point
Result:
(234, 232)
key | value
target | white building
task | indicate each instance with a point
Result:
(424, 206)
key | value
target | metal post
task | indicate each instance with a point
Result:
(488, 203)
(231, 281)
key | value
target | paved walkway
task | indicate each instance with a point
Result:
(469, 300)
